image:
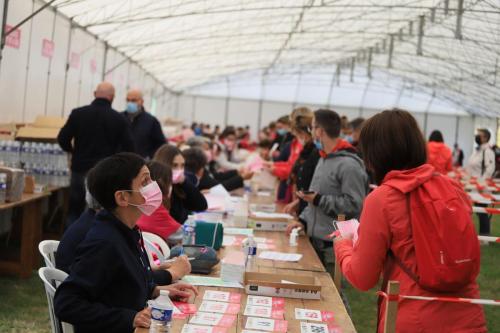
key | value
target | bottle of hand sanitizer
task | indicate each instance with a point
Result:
(293, 236)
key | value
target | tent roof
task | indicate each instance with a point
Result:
(428, 44)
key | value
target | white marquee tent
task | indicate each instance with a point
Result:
(249, 61)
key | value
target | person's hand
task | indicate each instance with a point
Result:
(180, 291)
(291, 226)
(143, 318)
(246, 174)
(205, 191)
(291, 208)
(180, 267)
(268, 165)
(307, 197)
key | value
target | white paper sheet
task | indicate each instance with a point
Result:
(280, 256)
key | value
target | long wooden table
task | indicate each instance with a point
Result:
(309, 265)
(23, 264)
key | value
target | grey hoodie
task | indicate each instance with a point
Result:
(341, 181)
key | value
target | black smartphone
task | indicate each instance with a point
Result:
(307, 192)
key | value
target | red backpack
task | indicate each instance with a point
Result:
(446, 243)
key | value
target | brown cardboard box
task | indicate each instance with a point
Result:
(292, 286)
(44, 127)
(15, 183)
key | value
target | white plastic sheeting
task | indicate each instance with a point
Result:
(447, 49)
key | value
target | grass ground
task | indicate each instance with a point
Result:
(23, 306)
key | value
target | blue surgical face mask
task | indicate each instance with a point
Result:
(349, 138)
(282, 131)
(132, 107)
(318, 144)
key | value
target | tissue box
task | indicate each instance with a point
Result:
(233, 267)
(15, 183)
(292, 286)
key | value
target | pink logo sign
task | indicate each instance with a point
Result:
(74, 60)
(93, 65)
(14, 38)
(47, 48)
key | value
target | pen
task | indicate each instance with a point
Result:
(172, 260)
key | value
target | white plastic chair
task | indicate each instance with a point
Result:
(48, 249)
(52, 278)
(149, 243)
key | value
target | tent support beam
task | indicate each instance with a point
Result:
(421, 23)
(460, 11)
(4, 23)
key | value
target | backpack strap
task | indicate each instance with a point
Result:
(398, 261)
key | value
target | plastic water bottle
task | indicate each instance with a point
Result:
(293, 236)
(189, 232)
(250, 250)
(161, 313)
(3, 188)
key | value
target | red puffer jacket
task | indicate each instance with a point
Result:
(439, 156)
(385, 225)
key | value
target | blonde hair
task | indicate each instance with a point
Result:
(300, 111)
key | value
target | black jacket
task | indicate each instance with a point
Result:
(282, 140)
(186, 198)
(303, 170)
(231, 180)
(147, 133)
(110, 280)
(98, 132)
(73, 236)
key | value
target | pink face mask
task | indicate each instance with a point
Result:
(153, 198)
(177, 175)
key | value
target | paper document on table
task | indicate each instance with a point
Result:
(238, 231)
(265, 215)
(349, 229)
(208, 281)
(280, 256)
(220, 191)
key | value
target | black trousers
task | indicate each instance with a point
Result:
(76, 197)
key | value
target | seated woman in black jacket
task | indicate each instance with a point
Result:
(110, 280)
(186, 198)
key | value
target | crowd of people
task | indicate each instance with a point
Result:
(126, 177)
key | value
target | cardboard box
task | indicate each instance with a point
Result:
(15, 183)
(279, 285)
(267, 223)
(8, 131)
(44, 127)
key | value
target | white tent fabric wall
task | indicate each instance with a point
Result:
(32, 84)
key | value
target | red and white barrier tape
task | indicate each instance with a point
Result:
(440, 299)
(490, 239)
(486, 210)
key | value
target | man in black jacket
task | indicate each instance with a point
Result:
(146, 129)
(92, 133)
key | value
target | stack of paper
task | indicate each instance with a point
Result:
(280, 256)
(233, 267)
(208, 281)
(349, 229)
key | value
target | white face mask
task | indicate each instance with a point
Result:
(152, 198)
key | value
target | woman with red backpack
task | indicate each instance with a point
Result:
(415, 228)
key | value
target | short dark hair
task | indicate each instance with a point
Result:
(329, 121)
(229, 130)
(486, 133)
(392, 140)
(436, 136)
(162, 174)
(195, 159)
(166, 154)
(265, 144)
(357, 123)
(113, 174)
